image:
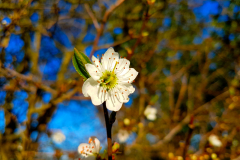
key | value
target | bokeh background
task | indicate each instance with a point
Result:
(187, 55)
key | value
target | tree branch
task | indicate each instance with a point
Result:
(114, 44)
(90, 13)
(29, 78)
(100, 31)
(187, 119)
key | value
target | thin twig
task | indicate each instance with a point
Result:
(115, 43)
(187, 119)
(145, 19)
(10, 72)
(100, 30)
(181, 95)
(64, 66)
(90, 13)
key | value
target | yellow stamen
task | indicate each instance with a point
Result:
(114, 67)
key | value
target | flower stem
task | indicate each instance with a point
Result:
(109, 128)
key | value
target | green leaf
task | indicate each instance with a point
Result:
(79, 60)
(82, 56)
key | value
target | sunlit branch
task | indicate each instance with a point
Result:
(182, 92)
(90, 13)
(65, 62)
(187, 119)
(114, 44)
(9, 72)
(145, 20)
(103, 22)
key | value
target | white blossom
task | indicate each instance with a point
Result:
(150, 113)
(213, 140)
(90, 150)
(58, 137)
(110, 80)
(122, 135)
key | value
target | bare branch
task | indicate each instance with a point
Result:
(105, 17)
(90, 13)
(115, 43)
(145, 20)
(180, 98)
(187, 119)
(67, 58)
(29, 78)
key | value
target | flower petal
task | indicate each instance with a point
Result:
(123, 91)
(122, 67)
(131, 75)
(108, 58)
(113, 61)
(113, 106)
(122, 135)
(93, 71)
(130, 87)
(121, 94)
(96, 143)
(153, 111)
(82, 147)
(152, 117)
(90, 88)
(97, 64)
(85, 86)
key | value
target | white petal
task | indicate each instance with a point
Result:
(150, 110)
(146, 112)
(109, 52)
(213, 139)
(130, 87)
(122, 67)
(82, 147)
(152, 117)
(95, 60)
(113, 61)
(93, 71)
(117, 95)
(85, 86)
(124, 90)
(90, 88)
(58, 137)
(113, 106)
(97, 63)
(107, 58)
(131, 75)
(122, 94)
(96, 143)
(153, 111)
(122, 135)
(150, 113)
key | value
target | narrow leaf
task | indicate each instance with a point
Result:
(82, 56)
(79, 63)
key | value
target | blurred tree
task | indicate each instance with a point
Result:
(187, 55)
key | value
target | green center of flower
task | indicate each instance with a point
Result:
(108, 80)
